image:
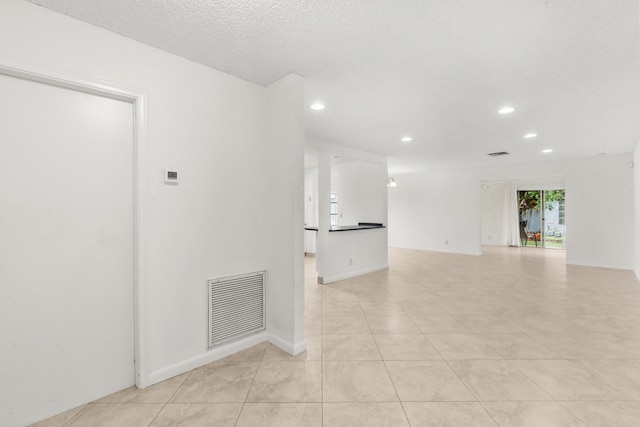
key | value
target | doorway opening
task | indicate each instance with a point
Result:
(541, 215)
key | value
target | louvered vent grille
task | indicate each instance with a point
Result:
(236, 307)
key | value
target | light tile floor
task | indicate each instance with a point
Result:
(512, 338)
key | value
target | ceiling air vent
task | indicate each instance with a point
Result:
(498, 154)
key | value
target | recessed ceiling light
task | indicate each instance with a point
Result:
(530, 135)
(506, 110)
(406, 139)
(317, 106)
(548, 150)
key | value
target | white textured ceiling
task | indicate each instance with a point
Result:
(434, 69)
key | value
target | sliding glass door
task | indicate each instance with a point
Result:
(542, 221)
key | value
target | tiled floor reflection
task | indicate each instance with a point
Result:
(512, 338)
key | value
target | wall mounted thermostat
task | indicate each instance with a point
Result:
(171, 176)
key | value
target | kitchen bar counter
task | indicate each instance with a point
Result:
(360, 226)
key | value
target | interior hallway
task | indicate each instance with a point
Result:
(514, 337)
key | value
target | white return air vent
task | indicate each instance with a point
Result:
(236, 307)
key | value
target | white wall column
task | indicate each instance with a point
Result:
(636, 209)
(284, 213)
(324, 217)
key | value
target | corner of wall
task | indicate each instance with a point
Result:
(207, 357)
(283, 239)
(286, 346)
(636, 209)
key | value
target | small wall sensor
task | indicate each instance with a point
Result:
(171, 176)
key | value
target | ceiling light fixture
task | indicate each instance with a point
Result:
(548, 150)
(317, 106)
(506, 110)
(531, 135)
(391, 182)
(406, 139)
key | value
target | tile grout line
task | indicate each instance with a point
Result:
(463, 383)
(251, 385)
(386, 368)
(598, 377)
(509, 361)
(86, 405)
(171, 397)
(561, 403)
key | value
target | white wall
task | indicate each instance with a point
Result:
(636, 208)
(599, 212)
(310, 207)
(438, 212)
(351, 253)
(367, 250)
(496, 206)
(284, 228)
(425, 210)
(362, 191)
(493, 215)
(217, 130)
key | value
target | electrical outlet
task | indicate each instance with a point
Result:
(350, 261)
(446, 242)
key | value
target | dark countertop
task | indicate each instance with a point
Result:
(360, 226)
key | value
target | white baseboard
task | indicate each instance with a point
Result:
(299, 348)
(222, 352)
(327, 280)
(609, 266)
(442, 250)
(456, 252)
(286, 346)
(208, 357)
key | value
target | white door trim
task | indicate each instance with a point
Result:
(64, 79)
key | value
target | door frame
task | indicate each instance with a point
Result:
(64, 79)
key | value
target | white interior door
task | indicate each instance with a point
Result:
(66, 249)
